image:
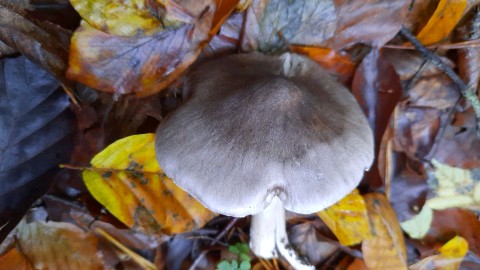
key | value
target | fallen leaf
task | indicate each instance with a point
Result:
(310, 244)
(386, 248)
(348, 219)
(127, 180)
(43, 43)
(377, 88)
(271, 25)
(372, 22)
(450, 257)
(443, 21)
(450, 223)
(58, 245)
(143, 65)
(453, 187)
(123, 18)
(418, 226)
(35, 136)
(14, 260)
(336, 63)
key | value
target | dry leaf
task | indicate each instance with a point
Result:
(127, 180)
(348, 219)
(58, 245)
(386, 249)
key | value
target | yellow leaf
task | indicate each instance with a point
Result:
(443, 20)
(386, 249)
(348, 219)
(453, 187)
(123, 18)
(450, 257)
(126, 179)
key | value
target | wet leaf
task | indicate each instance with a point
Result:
(58, 245)
(271, 25)
(454, 187)
(450, 257)
(123, 18)
(336, 63)
(442, 22)
(127, 180)
(43, 43)
(14, 259)
(143, 65)
(372, 22)
(348, 219)
(418, 226)
(35, 136)
(386, 249)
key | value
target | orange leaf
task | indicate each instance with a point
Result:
(223, 9)
(127, 180)
(443, 20)
(386, 249)
(329, 59)
(14, 260)
(348, 219)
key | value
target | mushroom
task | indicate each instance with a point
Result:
(260, 134)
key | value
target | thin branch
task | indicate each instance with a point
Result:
(467, 92)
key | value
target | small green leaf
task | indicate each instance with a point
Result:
(245, 265)
(224, 265)
(243, 248)
(245, 257)
(234, 249)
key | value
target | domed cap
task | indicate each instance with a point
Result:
(258, 126)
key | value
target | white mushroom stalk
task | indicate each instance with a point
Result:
(268, 236)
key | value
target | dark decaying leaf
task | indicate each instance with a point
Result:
(143, 65)
(377, 88)
(41, 42)
(6, 50)
(309, 243)
(34, 136)
(372, 22)
(273, 25)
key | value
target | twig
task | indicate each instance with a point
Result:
(467, 92)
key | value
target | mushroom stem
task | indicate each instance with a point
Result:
(268, 236)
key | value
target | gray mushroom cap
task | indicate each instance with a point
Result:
(258, 126)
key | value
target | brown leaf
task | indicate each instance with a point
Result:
(459, 145)
(43, 43)
(377, 88)
(142, 65)
(450, 223)
(274, 24)
(50, 245)
(386, 249)
(372, 22)
(309, 243)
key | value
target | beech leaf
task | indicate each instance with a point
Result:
(126, 179)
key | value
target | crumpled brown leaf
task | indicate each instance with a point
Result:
(41, 42)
